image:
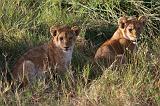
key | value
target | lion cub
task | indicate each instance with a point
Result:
(124, 38)
(56, 55)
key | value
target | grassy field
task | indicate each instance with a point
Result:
(25, 24)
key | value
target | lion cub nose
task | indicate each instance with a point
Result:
(66, 48)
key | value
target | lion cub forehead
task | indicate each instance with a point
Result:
(133, 22)
(64, 29)
(66, 33)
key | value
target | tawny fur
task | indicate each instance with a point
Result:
(55, 55)
(124, 38)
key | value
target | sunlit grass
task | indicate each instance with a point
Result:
(25, 24)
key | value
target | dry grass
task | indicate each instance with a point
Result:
(25, 24)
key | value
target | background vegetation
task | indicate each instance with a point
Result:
(25, 24)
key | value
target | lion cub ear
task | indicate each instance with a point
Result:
(54, 30)
(76, 30)
(122, 21)
(142, 19)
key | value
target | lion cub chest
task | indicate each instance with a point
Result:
(65, 60)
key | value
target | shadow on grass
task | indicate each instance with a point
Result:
(11, 48)
(98, 34)
(83, 56)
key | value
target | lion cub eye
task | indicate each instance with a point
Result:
(61, 38)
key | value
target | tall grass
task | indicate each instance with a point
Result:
(25, 24)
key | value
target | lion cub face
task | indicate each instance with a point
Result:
(131, 27)
(64, 37)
